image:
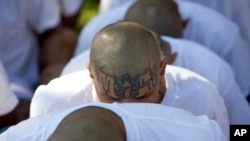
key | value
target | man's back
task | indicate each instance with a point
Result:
(222, 36)
(221, 75)
(219, 35)
(228, 8)
(202, 62)
(142, 121)
(237, 11)
(183, 86)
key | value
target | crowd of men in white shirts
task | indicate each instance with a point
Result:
(163, 61)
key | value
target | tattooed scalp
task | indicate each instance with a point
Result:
(125, 60)
(127, 86)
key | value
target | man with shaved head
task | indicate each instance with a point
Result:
(181, 19)
(125, 66)
(180, 52)
(237, 11)
(162, 17)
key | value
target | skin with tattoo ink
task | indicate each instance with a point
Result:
(125, 65)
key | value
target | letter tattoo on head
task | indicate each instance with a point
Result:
(127, 86)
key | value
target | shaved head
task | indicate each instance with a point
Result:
(90, 124)
(125, 60)
(165, 48)
(124, 48)
(161, 16)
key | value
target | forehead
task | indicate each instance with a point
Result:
(127, 86)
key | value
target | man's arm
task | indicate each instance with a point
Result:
(20, 113)
(56, 49)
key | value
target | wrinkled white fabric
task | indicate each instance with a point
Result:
(7, 98)
(143, 122)
(222, 37)
(183, 86)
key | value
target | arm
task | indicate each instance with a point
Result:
(56, 49)
(70, 12)
(12, 110)
(56, 42)
(20, 113)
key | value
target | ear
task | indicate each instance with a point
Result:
(163, 67)
(185, 23)
(173, 57)
(91, 74)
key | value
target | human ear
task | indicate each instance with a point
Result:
(185, 23)
(163, 67)
(91, 74)
(173, 57)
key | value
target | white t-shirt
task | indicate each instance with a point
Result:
(18, 43)
(183, 86)
(195, 57)
(70, 7)
(143, 122)
(106, 5)
(236, 10)
(76, 63)
(222, 37)
(205, 63)
(7, 99)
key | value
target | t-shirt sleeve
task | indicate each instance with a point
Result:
(217, 110)
(70, 7)
(37, 100)
(7, 98)
(60, 93)
(42, 14)
(46, 100)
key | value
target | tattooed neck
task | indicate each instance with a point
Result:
(127, 86)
